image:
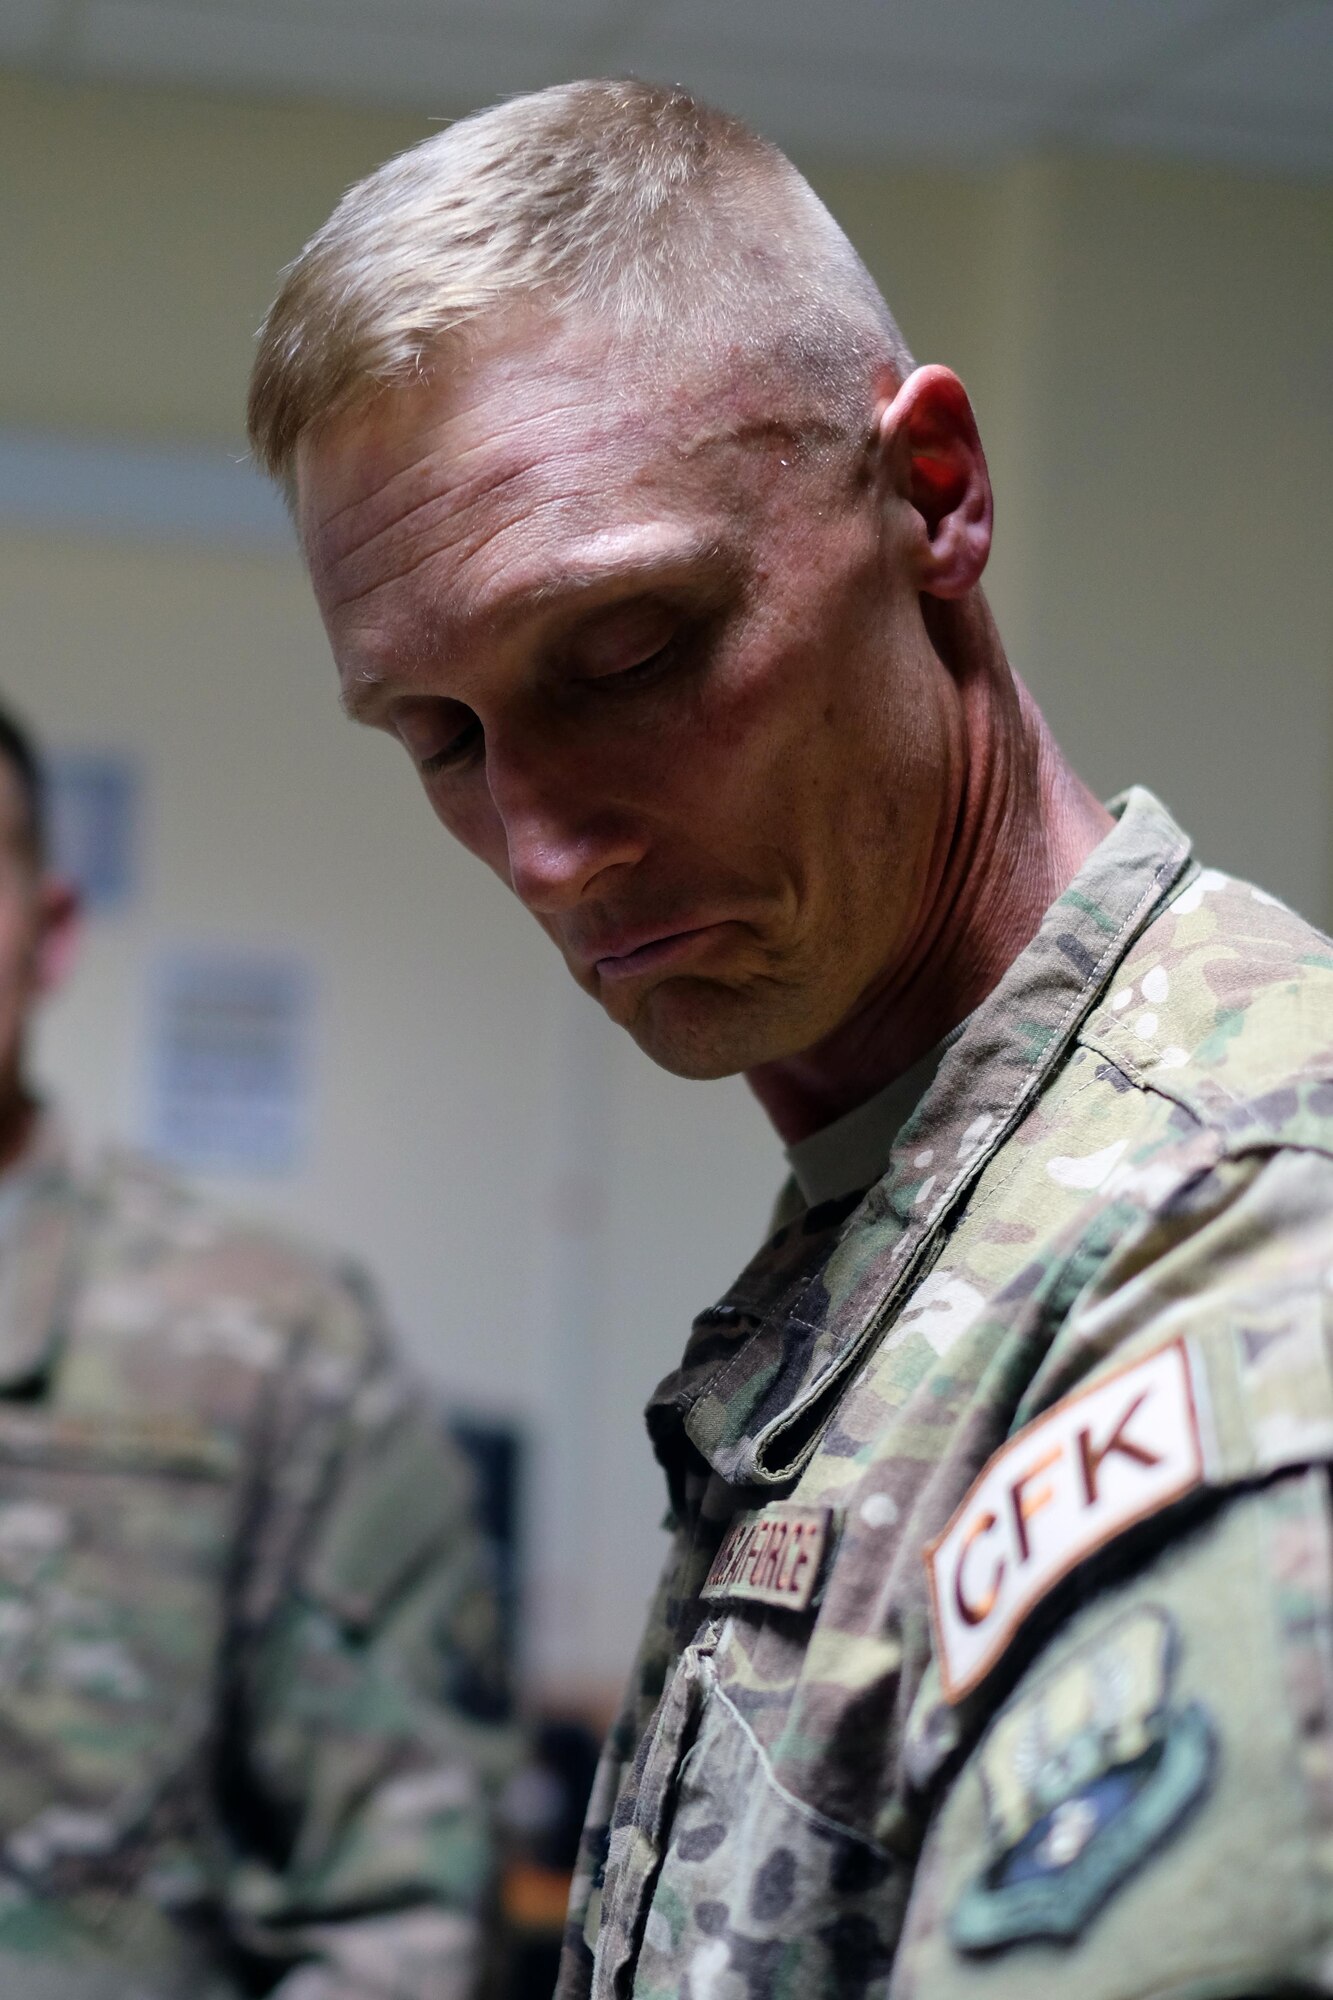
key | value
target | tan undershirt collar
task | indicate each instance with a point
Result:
(852, 1152)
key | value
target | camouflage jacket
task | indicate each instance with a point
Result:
(994, 1652)
(249, 1671)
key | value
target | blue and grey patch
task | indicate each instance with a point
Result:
(1083, 1778)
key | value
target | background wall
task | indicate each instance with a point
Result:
(1148, 349)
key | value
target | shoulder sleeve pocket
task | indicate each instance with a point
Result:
(1151, 1811)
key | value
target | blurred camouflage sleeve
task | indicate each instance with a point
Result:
(366, 1705)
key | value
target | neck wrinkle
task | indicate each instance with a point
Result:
(1023, 827)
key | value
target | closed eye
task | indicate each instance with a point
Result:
(623, 645)
(637, 672)
(457, 751)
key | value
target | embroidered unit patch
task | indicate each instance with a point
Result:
(1092, 1466)
(1083, 1778)
(772, 1556)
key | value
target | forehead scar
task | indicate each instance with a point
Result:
(799, 434)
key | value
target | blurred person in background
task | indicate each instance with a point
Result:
(992, 1652)
(252, 1700)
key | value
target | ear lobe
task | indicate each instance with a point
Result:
(929, 437)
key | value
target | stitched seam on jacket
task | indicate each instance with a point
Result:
(798, 1806)
(1147, 1079)
(1233, 1146)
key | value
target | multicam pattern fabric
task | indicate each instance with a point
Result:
(250, 1682)
(1131, 1144)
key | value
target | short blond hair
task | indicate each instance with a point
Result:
(618, 199)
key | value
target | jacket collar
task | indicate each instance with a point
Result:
(764, 1367)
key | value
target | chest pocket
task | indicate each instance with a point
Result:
(718, 1873)
(757, 1892)
(115, 1546)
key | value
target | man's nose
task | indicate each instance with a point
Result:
(562, 832)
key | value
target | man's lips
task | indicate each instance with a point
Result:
(628, 956)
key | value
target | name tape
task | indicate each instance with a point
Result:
(1092, 1466)
(772, 1556)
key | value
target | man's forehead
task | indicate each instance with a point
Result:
(484, 413)
(366, 473)
(472, 543)
(533, 393)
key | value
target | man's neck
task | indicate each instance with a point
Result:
(1024, 826)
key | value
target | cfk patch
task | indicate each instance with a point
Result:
(1083, 1777)
(1090, 1467)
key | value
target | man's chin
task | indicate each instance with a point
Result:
(694, 1029)
(687, 1059)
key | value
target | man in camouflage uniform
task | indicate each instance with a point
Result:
(994, 1650)
(250, 1691)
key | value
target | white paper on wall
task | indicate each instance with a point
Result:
(229, 1060)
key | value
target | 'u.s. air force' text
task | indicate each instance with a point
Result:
(771, 1557)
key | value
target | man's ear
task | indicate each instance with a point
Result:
(932, 455)
(60, 931)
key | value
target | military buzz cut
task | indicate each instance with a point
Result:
(618, 200)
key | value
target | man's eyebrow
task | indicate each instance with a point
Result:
(361, 700)
(628, 565)
(364, 697)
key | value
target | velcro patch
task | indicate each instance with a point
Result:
(1090, 1467)
(772, 1556)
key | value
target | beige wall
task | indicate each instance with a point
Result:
(1144, 347)
(139, 238)
(1163, 456)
